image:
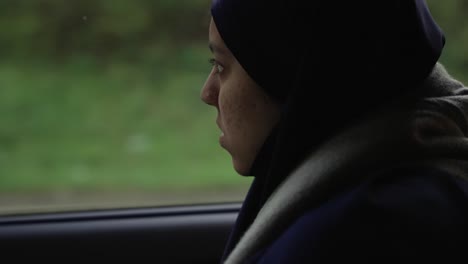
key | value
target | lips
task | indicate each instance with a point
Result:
(221, 136)
(219, 125)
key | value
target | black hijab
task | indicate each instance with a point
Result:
(327, 63)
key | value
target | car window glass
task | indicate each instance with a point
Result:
(99, 104)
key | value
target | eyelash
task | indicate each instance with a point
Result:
(219, 67)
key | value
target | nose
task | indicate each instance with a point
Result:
(210, 91)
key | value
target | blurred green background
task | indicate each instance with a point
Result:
(99, 103)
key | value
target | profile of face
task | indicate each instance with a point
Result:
(246, 114)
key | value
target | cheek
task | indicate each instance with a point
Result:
(232, 109)
(241, 112)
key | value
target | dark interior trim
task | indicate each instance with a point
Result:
(178, 234)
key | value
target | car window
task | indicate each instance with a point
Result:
(100, 107)
(451, 17)
(99, 104)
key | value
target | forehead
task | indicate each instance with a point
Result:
(216, 43)
(213, 29)
(214, 37)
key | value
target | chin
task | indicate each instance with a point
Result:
(241, 168)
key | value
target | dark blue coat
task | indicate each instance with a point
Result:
(410, 215)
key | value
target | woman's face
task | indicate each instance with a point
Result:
(246, 114)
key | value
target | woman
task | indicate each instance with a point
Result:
(355, 134)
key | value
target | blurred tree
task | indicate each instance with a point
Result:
(61, 27)
(107, 28)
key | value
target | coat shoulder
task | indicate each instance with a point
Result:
(402, 214)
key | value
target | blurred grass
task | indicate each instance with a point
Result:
(120, 125)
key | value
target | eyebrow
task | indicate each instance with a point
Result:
(216, 49)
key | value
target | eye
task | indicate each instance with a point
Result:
(219, 67)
